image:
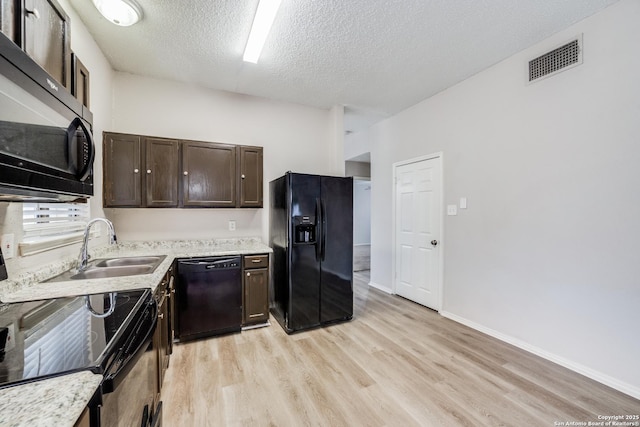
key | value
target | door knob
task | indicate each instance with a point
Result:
(434, 242)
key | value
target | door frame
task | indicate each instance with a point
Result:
(440, 284)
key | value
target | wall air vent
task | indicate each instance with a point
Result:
(560, 59)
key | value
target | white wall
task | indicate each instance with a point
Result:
(100, 104)
(361, 212)
(546, 255)
(294, 137)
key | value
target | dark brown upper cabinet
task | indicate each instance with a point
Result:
(161, 172)
(139, 171)
(122, 167)
(250, 167)
(45, 37)
(209, 174)
(8, 18)
(80, 81)
(142, 171)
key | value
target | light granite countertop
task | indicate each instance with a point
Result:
(60, 401)
(30, 286)
(57, 401)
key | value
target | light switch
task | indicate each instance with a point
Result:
(463, 203)
(452, 210)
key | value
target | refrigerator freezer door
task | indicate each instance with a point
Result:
(304, 270)
(336, 290)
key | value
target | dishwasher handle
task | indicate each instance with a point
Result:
(211, 263)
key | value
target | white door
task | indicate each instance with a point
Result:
(417, 231)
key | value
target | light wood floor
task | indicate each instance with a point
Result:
(395, 364)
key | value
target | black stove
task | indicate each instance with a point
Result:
(45, 338)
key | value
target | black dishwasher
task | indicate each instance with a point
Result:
(209, 297)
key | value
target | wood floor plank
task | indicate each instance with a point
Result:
(396, 364)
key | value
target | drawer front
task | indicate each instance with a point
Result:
(256, 261)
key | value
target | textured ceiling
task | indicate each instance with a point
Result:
(375, 57)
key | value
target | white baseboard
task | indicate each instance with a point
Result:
(583, 370)
(380, 288)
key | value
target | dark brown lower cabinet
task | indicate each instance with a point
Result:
(255, 299)
(161, 336)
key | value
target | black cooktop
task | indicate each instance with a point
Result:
(46, 338)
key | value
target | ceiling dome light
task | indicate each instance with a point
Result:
(120, 12)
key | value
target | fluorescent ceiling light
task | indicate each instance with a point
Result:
(120, 12)
(262, 22)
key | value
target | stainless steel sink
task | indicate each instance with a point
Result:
(129, 261)
(113, 267)
(117, 271)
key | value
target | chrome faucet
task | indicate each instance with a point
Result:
(83, 259)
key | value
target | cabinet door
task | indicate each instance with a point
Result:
(80, 81)
(208, 174)
(256, 296)
(161, 172)
(7, 18)
(122, 170)
(171, 310)
(46, 38)
(250, 177)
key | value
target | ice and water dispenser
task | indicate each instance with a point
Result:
(304, 229)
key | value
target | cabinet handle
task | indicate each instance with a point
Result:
(256, 261)
(185, 173)
(248, 274)
(242, 176)
(148, 171)
(136, 170)
(33, 12)
(161, 316)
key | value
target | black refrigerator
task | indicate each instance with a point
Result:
(311, 233)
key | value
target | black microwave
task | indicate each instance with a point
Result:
(46, 144)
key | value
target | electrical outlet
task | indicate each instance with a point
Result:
(8, 249)
(232, 226)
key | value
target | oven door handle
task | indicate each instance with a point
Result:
(126, 359)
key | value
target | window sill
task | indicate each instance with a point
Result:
(43, 245)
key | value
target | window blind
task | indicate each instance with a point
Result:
(43, 220)
(48, 226)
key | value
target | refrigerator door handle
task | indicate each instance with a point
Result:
(323, 239)
(318, 229)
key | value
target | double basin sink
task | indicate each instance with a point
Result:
(113, 267)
